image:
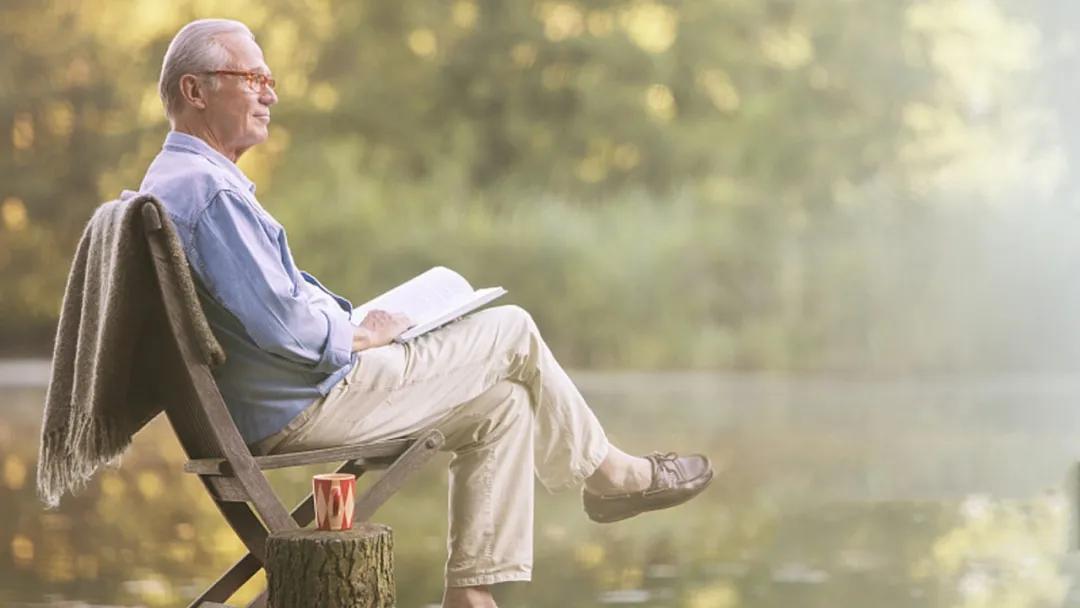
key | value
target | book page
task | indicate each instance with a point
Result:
(463, 306)
(422, 298)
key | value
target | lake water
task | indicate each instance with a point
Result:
(832, 492)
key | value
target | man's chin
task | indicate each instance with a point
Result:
(258, 136)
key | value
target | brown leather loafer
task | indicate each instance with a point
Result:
(675, 480)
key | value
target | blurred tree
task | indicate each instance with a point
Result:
(701, 173)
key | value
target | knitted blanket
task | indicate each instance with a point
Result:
(107, 357)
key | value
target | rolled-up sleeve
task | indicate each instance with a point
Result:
(245, 264)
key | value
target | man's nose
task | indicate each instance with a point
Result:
(268, 97)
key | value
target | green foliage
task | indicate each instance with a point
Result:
(662, 184)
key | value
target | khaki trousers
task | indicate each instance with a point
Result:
(507, 408)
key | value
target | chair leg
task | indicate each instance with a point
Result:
(242, 519)
(246, 567)
(229, 582)
(415, 457)
(240, 515)
(259, 601)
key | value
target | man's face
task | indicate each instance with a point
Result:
(239, 114)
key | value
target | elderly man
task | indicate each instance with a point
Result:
(299, 375)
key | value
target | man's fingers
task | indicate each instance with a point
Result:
(387, 325)
(378, 316)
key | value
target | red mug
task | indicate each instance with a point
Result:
(334, 500)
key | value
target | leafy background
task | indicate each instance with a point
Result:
(837, 185)
(855, 218)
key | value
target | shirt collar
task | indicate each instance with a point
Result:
(182, 142)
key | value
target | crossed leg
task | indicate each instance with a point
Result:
(508, 410)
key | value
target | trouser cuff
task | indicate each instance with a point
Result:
(588, 466)
(523, 574)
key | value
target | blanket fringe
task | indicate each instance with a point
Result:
(62, 470)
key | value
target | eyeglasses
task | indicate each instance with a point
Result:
(254, 80)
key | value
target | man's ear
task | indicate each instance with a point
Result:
(193, 91)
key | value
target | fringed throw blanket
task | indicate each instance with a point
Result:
(107, 357)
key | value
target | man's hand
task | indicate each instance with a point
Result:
(379, 328)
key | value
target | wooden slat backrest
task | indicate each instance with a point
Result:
(189, 414)
(198, 413)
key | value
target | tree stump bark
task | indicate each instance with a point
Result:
(343, 568)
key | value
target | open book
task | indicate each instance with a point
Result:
(431, 300)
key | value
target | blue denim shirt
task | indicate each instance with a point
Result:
(288, 339)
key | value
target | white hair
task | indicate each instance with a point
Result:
(194, 49)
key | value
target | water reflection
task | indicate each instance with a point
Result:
(835, 493)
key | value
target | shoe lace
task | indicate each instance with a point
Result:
(666, 471)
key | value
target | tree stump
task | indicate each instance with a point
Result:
(342, 568)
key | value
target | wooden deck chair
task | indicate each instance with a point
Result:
(217, 454)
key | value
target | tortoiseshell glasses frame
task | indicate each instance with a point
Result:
(254, 80)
